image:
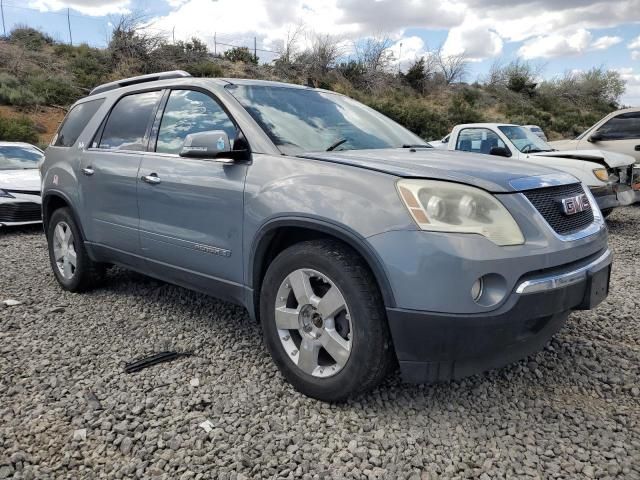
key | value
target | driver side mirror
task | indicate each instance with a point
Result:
(212, 144)
(595, 137)
(500, 152)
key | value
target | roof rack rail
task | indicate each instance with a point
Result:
(151, 77)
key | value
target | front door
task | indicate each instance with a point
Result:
(618, 134)
(109, 172)
(191, 210)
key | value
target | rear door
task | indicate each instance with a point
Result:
(109, 172)
(191, 210)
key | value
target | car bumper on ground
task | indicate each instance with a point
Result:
(23, 209)
(435, 346)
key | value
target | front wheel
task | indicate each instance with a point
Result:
(324, 321)
(606, 212)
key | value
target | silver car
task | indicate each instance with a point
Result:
(19, 184)
(356, 246)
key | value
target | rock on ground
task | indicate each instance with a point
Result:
(570, 411)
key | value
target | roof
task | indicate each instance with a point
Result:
(485, 125)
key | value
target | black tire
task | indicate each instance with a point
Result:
(88, 274)
(606, 212)
(371, 356)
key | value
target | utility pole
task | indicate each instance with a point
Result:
(2, 9)
(215, 44)
(399, 58)
(173, 34)
(69, 24)
(255, 50)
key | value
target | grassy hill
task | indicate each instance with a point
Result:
(40, 78)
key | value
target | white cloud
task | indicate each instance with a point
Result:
(631, 96)
(602, 43)
(412, 48)
(480, 28)
(96, 8)
(635, 54)
(562, 45)
(635, 43)
(476, 41)
(556, 45)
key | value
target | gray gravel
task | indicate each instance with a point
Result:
(67, 410)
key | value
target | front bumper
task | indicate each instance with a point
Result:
(23, 209)
(613, 195)
(436, 346)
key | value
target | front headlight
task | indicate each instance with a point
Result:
(5, 194)
(601, 174)
(452, 207)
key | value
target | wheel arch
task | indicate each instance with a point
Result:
(278, 234)
(52, 201)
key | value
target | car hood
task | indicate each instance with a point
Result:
(26, 180)
(494, 174)
(610, 159)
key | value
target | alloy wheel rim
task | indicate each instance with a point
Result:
(64, 250)
(313, 322)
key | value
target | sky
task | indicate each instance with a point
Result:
(555, 35)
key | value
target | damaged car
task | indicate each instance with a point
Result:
(609, 175)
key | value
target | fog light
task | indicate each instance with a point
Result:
(476, 289)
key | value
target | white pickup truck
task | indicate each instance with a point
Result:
(607, 174)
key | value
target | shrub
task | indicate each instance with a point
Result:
(240, 54)
(413, 114)
(53, 89)
(204, 69)
(20, 129)
(30, 38)
(14, 92)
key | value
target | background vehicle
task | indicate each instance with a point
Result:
(536, 130)
(19, 184)
(353, 243)
(617, 132)
(607, 174)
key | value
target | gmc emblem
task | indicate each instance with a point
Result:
(573, 205)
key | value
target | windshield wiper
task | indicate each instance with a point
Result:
(417, 145)
(337, 144)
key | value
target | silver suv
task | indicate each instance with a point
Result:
(354, 244)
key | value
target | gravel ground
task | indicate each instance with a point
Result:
(67, 410)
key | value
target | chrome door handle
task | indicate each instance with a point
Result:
(88, 171)
(152, 178)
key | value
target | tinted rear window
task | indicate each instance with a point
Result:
(76, 120)
(128, 121)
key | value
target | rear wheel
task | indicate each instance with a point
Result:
(324, 322)
(70, 263)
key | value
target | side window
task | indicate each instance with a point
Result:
(189, 111)
(625, 126)
(478, 140)
(127, 123)
(74, 123)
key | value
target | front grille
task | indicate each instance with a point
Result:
(548, 201)
(20, 212)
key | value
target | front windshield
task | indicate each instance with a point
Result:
(17, 158)
(525, 140)
(305, 120)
